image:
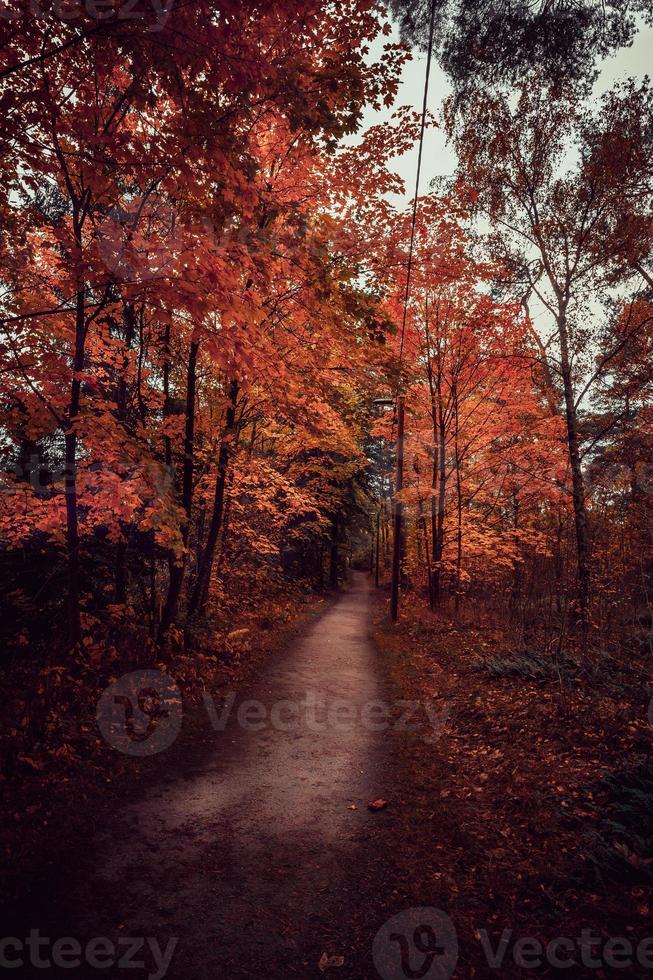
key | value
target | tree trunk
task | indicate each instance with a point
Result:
(167, 445)
(438, 528)
(459, 508)
(397, 542)
(153, 590)
(222, 551)
(438, 476)
(378, 542)
(427, 556)
(201, 590)
(515, 598)
(70, 483)
(120, 575)
(178, 565)
(334, 557)
(578, 489)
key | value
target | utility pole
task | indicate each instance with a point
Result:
(398, 515)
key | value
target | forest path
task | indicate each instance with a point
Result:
(253, 861)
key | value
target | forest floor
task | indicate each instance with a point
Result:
(254, 847)
(527, 814)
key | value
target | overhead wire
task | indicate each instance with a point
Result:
(415, 203)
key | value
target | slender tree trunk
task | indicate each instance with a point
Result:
(222, 550)
(397, 542)
(153, 590)
(167, 441)
(386, 537)
(334, 557)
(178, 565)
(200, 591)
(438, 530)
(434, 526)
(459, 510)
(438, 474)
(558, 564)
(167, 444)
(372, 550)
(427, 556)
(378, 542)
(70, 483)
(515, 599)
(120, 574)
(436, 552)
(578, 488)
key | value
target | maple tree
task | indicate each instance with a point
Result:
(157, 239)
(481, 450)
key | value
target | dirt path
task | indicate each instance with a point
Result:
(253, 861)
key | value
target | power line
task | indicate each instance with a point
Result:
(419, 170)
(399, 413)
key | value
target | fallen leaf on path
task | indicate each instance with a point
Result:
(326, 961)
(377, 805)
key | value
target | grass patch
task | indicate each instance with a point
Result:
(529, 666)
(621, 848)
(598, 671)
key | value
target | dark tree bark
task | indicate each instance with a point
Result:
(459, 505)
(167, 445)
(578, 488)
(70, 482)
(397, 541)
(200, 591)
(178, 566)
(378, 542)
(120, 574)
(334, 556)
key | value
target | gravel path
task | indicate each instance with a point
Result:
(253, 861)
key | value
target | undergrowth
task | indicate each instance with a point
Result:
(598, 671)
(621, 847)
